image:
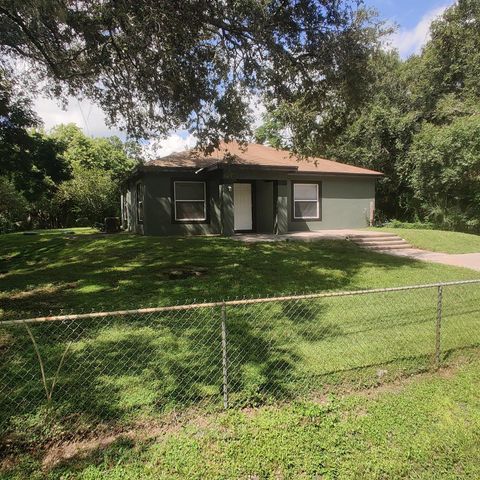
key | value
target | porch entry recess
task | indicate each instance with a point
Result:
(242, 207)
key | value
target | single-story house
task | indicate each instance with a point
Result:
(253, 188)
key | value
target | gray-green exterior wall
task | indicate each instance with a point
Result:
(345, 202)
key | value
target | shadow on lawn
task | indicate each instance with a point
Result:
(118, 369)
(125, 271)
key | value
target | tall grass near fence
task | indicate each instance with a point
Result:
(71, 374)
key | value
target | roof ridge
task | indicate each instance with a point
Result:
(257, 154)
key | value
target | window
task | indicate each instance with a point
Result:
(306, 201)
(139, 202)
(190, 201)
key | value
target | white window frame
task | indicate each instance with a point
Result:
(204, 201)
(317, 201)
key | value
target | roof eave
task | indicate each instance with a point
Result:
(279, 168)
(246, 166)
(342, 174)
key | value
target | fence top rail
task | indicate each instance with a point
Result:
(249, 301)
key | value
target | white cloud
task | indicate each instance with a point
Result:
(411, 41)
(176, 142)
(84, 113)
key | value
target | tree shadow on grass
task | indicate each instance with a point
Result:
(308, 320)
(122, 271)
(123, 368)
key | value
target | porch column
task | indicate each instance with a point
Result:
(281, 207)
(226, 220)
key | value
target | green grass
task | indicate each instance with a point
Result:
(428, 428)
(121, 370)
(438, 240)
(53, 270)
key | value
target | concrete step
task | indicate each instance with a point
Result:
(390, 247)
(396, 243)
(378, 239)
(361, 236)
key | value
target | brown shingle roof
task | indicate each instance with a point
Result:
(257, 155)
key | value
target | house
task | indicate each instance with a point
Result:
(253, 188)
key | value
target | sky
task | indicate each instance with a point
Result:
(412, 18)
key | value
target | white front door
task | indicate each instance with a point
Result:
(242, 206)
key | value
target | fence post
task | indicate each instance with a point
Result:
(438, 326)
(224, 356)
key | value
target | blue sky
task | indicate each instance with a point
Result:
(412, 17)
(407, 13)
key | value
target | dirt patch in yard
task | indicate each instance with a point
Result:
(41, 297)
(58, 453)
(45, 290)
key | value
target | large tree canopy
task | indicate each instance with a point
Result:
(109, 154)
(444, 171)
(417, 123)
(156, 66)
(30, 160)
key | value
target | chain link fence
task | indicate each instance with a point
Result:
(98, 370)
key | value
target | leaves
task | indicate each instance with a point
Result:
(109, 154)
(91, 193)
(416, 123)
(154, 67)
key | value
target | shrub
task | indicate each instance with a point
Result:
(112, 224)
(411, 225)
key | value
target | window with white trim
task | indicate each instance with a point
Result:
(190, 201)
(306, 201)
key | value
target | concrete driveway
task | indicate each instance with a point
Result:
(467, 260)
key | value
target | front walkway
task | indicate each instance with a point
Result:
(466, 260)
(300, 236)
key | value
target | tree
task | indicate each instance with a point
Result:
(108, 154)
(406, 125)
(375, 135)
(378, 135)
(98, 166)
(90, 194)
(30, 161)
(444, 79)
(156, 66)
(42, 167)
(13, 206)
(444, 171)
(17, 117)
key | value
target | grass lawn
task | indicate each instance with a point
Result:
(122, 370)
(428, 428)
(438, 240)
(55, 270)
